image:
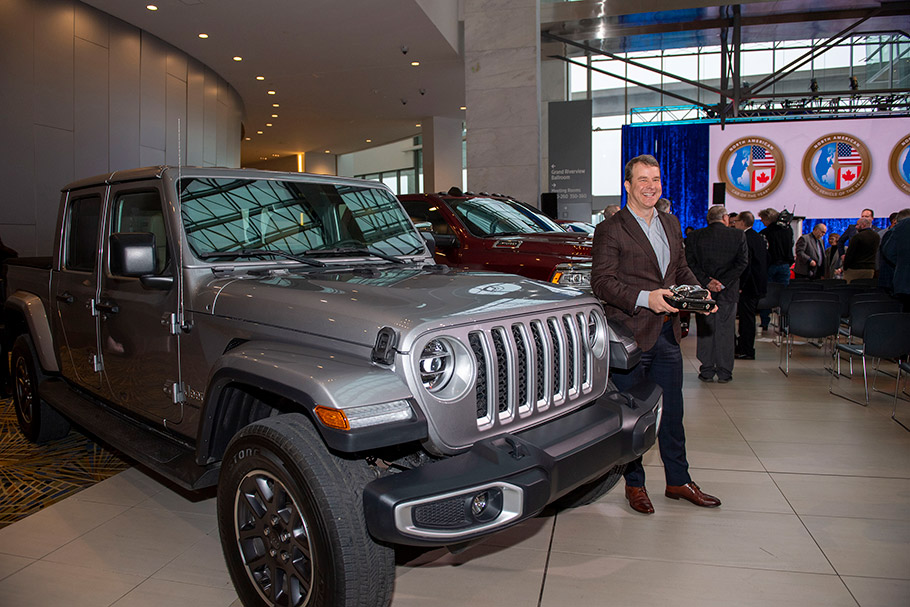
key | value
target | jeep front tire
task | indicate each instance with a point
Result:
(291, 521)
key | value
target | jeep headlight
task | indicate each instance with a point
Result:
(445, 367)
(576, 275)
(436, 365)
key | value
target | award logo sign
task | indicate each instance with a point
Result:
(836, 165)
(751, 167)
(899, 165)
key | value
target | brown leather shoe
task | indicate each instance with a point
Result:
(691, 492)
(639, 500)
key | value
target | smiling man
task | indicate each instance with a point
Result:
(638, 253)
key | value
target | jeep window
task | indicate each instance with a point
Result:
(141, 212)
(82, 219)
(490, 216)
(225, 215)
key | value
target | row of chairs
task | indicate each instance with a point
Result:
(869, 321)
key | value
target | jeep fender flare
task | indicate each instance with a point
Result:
(30, 308)
(308, 377)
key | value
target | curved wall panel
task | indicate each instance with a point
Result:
(83, 93)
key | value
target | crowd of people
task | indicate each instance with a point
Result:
(639, 253)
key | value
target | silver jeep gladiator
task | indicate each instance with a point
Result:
(289, 338)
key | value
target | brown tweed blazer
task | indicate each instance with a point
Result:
(625, 263)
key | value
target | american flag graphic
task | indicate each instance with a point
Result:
(850, 165)
(762, 168)
(847, 154)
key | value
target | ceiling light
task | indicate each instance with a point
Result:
(417, 125)
(328, 151)
(275, 105)
(260, 77)
(369, 141)
(238, 58)
(275, 155)
(274, 115)
(463, 108)
(415, 63)
(246, 139)
(203, 36)
(272, 93)
(259, 132)
(268, 124)
(151, 7)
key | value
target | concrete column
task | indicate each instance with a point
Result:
(441, 153)
(502, 93)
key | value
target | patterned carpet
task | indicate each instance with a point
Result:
(35, 476)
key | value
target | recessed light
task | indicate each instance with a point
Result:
(463, 108)
(275, 105)
(260, 77)
(417, 125)
(247, 139)
(272, 93)
(369, 141)
(275, 156)
(274, 115)
(203, 36)
(259, 132)
(238, 58)
(328, 151)
(151, 7)
(268, 124)
(415, 63)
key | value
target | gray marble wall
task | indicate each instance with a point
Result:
(83, 93)
(502, 92)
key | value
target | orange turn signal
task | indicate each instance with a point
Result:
(333, 418)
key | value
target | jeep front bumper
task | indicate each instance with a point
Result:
(506, 479)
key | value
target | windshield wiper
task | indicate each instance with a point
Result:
(262, 253)
(355, 251)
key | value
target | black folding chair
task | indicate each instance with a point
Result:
(799, 294)
(860, 310)
(810, 318)
(904, 418)
(828, 283)
(885, 336)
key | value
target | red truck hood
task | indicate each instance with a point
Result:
(568, 245)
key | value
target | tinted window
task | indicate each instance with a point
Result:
(491, 216)
(83, 215)
(141, 212)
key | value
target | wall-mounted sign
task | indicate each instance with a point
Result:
(836, 165)
(899, 165)
(752, 168)
(570, 150)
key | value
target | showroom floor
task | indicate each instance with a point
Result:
(816, 511)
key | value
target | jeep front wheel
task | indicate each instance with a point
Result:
(291, 521)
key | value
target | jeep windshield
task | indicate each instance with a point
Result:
(499, 217)
(295, 219)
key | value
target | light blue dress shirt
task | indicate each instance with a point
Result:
(655, 234)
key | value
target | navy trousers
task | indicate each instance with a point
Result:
(662, 364)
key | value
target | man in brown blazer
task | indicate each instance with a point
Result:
(638, 253)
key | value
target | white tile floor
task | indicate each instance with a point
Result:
(816, 511)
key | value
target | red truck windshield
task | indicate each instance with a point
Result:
(495, 216)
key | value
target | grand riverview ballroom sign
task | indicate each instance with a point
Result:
(815, 168)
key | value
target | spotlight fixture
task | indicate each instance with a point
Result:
(369, 141)
(854, 83)
(463, 108)
(422, 91)
(415, 63)
(268, 124)
(813, 85)
(328, 151)
(259, 132)
(274, 115)
(275, 105)
(404, 49)
(272, 93)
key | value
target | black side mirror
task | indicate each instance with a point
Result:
(447, 241)
(133, 253)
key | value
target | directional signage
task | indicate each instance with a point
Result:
(570, 150)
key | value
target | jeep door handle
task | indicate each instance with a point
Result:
(109, 307)
(66, 297)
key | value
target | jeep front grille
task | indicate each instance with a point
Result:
(529, 366)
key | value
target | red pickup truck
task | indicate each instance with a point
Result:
(498, 233)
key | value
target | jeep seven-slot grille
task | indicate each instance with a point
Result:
(529, 366)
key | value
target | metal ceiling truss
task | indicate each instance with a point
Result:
(737, 99)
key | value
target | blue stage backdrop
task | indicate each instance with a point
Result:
(682, 151)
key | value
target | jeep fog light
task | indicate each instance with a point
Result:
(577, 275)
(352, 418)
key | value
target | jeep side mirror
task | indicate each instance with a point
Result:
(135, 254)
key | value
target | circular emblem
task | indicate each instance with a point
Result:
(751, 167)
(836, 165)
(899, 165)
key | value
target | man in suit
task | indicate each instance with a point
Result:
(897, 252)
(717, 256)
(638, 254)
(810, 253)
(753, 285)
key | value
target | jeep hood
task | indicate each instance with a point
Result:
(352, 305)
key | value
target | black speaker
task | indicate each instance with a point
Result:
(720, 193)
(548, 204)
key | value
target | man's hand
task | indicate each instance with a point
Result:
(715, 286)
(657, 304)
(812, 263)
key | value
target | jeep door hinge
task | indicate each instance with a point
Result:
(97, 364)
(178, 393)
(177, 324)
